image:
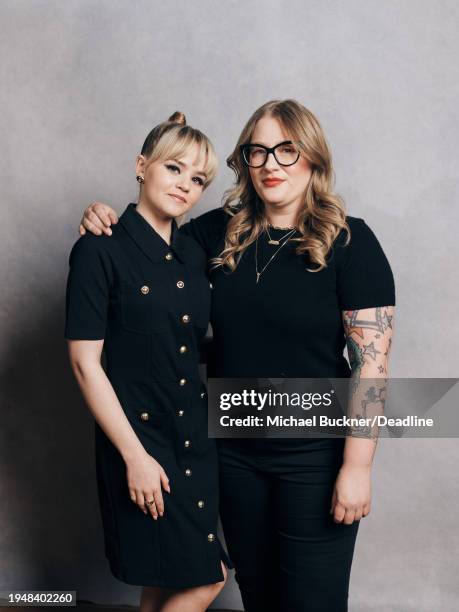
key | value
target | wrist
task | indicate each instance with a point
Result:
(357, 464)
(133, 454)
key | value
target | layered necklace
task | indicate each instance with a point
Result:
(281, 243)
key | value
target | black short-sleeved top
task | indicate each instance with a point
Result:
(290, 323)
(150, 303)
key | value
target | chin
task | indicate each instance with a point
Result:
(272, 201)
(273, 196)
(175, 210)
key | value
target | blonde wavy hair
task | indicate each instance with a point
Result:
(172, 138)
(322, 216)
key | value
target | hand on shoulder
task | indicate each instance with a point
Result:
(97, 219)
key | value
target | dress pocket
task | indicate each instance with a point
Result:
(145, 307)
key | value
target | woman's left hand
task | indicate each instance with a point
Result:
(351, 498)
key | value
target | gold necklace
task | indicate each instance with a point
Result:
(272, 256)
(276, 242)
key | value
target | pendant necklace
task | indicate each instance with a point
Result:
(287, 238)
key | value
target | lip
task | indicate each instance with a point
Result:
(178, 197)
(272, 182)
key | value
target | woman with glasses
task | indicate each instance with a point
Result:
(294, 280)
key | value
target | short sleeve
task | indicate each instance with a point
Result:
(87, 295)
(208, 230)
(364, 275)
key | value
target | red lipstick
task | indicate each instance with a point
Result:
(272, 182)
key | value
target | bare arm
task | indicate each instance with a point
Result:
(369, 338)
(144, 473)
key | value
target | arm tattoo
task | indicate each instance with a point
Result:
(380, 321)
(368, 337)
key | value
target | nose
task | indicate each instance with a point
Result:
(183, 183)
(271, 162)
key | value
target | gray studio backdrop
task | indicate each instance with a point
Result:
(81, 85)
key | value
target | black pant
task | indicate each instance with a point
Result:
(275, 497)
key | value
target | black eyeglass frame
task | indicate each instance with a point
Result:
(245, 147)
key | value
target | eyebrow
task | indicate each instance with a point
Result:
(185, 166)
(259, 144)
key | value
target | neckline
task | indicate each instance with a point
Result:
(151, 228)
(148, 239)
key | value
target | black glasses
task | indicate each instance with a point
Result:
(255, 155)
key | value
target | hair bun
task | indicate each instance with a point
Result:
(178, 117)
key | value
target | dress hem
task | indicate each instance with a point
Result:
(167, 584)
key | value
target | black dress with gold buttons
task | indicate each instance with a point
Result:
(150, 302)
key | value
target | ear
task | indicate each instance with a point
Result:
(140, 165)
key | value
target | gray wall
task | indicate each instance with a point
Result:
(82, 84)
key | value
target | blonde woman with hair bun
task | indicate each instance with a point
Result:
(142, 297)
(295, 280)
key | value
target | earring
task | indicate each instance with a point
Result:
(140, 179)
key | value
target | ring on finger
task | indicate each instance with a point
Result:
(150, 503)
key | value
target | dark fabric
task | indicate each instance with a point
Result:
(275, 494)
(142, 332)
(290, 555)
(290, 324)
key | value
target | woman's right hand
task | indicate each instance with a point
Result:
(97, 218)
(145, 476)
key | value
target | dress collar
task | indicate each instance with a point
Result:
(148, 240)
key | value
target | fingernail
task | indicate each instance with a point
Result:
(161, 513)
(109, 232)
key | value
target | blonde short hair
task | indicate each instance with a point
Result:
(172, 138)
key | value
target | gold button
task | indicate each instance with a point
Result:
(203, 395)
(186, 318)
(200, 504)
(188, 472)
(180, 412)
(182, 382)
(169, 256)
(187, 444)
(144, 416)
(145, 289)
(211, 537)
(180, 284)
(183, 349)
